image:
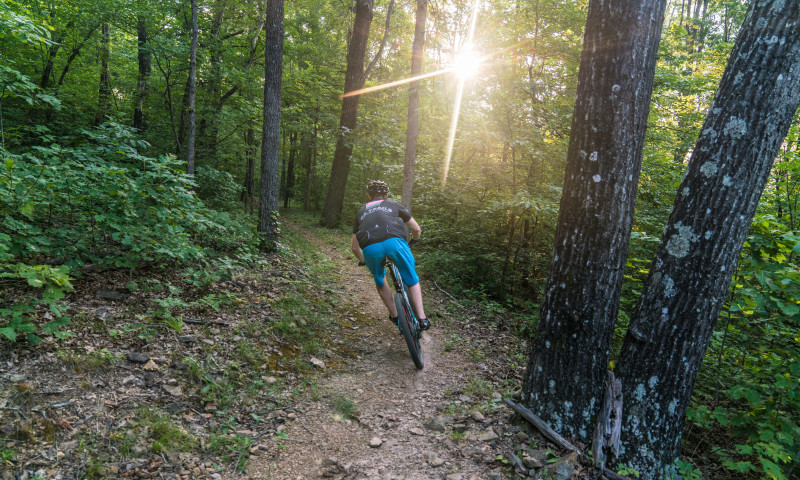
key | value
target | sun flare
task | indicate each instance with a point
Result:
(467, 63)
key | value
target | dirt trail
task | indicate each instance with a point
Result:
(394, 401)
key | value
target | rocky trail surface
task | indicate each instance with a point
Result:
(444, 421)
(280, 371)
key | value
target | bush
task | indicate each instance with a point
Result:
(93, 199)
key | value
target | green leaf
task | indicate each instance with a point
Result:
(9, 333)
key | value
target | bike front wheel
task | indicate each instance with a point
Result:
(410, 330)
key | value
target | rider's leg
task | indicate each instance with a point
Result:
(386, 295)
(415, 294)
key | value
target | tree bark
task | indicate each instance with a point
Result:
(209, 125)
(144, 57)
(311, 164)
(104, 97)
(569, 358)
(353, 80)
(271, 136)
(717, 199)
(52, 52)
(412, 123)
(76, 50)
(287, 193)
(250, 172)
(192, 84)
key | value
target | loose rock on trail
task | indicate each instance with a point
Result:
(405, 423)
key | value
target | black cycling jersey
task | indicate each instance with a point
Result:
(380, 220)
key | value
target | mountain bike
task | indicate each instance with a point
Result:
(406, 318)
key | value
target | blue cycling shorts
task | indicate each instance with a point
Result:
(398, 251)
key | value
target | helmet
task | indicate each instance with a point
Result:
(377, 187)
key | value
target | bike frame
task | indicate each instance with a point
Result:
(400, 287)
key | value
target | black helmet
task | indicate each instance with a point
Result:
(377, 187)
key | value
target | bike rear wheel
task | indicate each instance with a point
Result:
(410, 330)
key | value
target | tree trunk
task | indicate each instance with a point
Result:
(76, 50)
(287, 193)
(353, 80)
(209, 125)
(311, 164)
(192, 83)
(271, 137)
(412, 124)
(144, 57)
(569, 358)
(717, 199)
(250, 172)
(104, 97)
(52, 52)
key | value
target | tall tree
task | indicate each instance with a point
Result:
(412, 123)
(569, 358)
(289, 187)
(104, 97)
(251, 149)
(354, 79)
(713, 210)
(192, 87)
(144, 57)
(271, 136)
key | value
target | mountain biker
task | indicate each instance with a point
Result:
(380, 232)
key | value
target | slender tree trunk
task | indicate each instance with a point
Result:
(76, 50)
(184, 120)
(287, 194)
(251, 149)
(271, 137)
(353, 80)
(104, 98)
(412, 124)
(312, 164)
(144, 57)
(192, 83)
(569, 358)
(717, 199)
(209, 125)
(52, 52)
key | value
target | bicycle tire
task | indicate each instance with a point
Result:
(409, 332)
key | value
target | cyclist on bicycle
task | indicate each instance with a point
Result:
(380, 232)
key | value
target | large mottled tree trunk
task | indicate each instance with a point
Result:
(104, 97)
(716, 201)
(569, 358)
(412, 123)
(271, 137)
(144, 57)
(192, 84)
(353, 80)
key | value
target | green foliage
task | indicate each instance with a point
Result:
(94, 199)
(748, 387)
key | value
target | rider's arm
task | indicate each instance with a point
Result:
(356, 249)
(416, 231)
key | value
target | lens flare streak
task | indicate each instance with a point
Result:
(396, 83)
(457, 102)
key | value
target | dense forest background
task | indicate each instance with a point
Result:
(94, 118)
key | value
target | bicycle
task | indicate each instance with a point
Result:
(406, 318)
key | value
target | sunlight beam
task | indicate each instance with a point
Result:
(459, 93)
(395, 83)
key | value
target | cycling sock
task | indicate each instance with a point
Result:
(393, 320)
(424, 323)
